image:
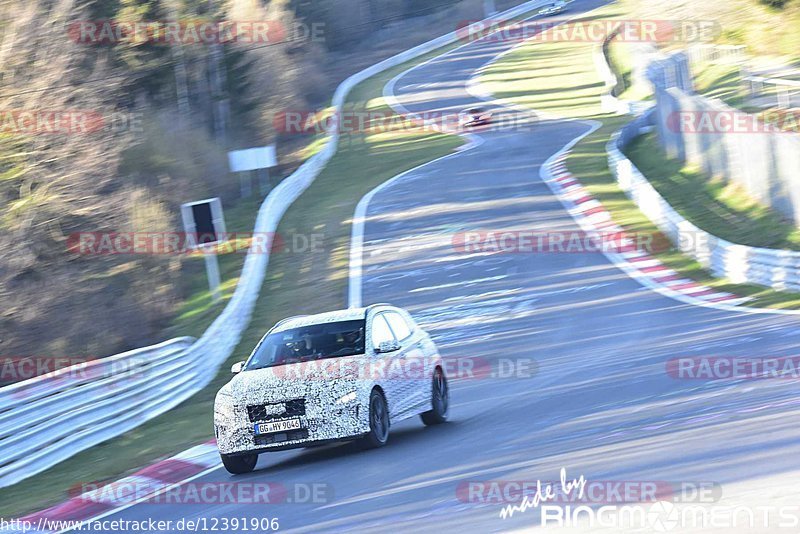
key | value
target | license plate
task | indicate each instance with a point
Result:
(277, 426)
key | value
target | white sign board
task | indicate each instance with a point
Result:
(252, 159)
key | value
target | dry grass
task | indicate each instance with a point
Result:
(765, 31)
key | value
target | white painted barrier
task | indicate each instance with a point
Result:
(741, 264)
(48, 419)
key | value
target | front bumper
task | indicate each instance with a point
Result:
(236, 435)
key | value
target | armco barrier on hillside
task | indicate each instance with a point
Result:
(779, 269)
(763, 160)
(75, 416)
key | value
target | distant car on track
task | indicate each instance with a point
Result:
(553, 9)
(340, 375)
(472, 117)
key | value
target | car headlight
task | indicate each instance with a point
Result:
(350, 397)
(224, 407)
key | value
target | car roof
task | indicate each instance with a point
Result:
(350, 314)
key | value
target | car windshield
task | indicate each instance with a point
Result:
(306, 343)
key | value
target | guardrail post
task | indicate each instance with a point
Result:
(212, 271)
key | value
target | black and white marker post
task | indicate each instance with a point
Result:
(204, 225)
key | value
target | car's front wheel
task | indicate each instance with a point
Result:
(440, 400)
(240, 464)
(378, 433)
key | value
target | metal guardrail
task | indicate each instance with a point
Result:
(742, 264)
(717, 54)
(784, 90)
(48, 419)
(45, 420)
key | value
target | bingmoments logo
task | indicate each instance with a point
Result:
(577, 502)
(547, 492)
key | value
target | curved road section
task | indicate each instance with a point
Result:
(559, 360)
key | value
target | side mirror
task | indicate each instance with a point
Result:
(387, 346)
(237, 367)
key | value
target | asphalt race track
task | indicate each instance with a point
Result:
(600, 402)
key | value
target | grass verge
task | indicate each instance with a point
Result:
(560, 78)
(723, 82)
(300, 280)
(722, 209)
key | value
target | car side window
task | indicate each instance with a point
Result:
(399, 325)
(380, 331)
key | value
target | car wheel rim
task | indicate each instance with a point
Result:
(440, 394)
(379, 423)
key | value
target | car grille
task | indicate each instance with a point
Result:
(291, 435)
(263, 412)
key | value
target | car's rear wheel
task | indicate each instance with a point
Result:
(440, 400)
(239, 465)
(378, 433)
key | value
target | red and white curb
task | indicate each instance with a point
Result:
(137, 487)
(593, 216)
